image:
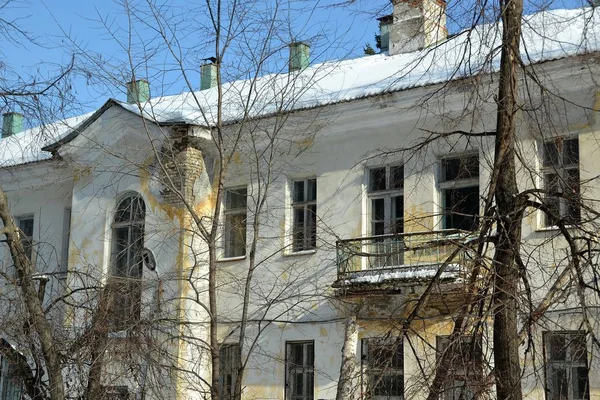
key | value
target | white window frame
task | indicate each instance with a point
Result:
(305, 369)
(309, 239)
(384, 368)
(389, 251)
(387, 194)
(445, 185)
(229, 212)
(568, 365)
(560, 169)
(126, 288)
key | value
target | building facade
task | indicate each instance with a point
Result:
(348, 227)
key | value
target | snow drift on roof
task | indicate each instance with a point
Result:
(26, 147)
(546, 36)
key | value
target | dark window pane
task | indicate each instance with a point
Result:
(378, 228)
(397, 177)
(377, 179)
(123, 210)
(310, 353)
(571, 184)
(312, 190)
(450, 168)
(378, 210)
(235, 235)
(553, 214)
(469, 167)
(397, 215)
(578, 348)
(551, 153)
(299, 384)
(298, 191)
(462, 208)
(236, 198)
(551, 183)
(26, 226)
(298, 354)
(571, 151)
(121, 251)
(580, 383)
(558, 347)
(457, 168)
(139, 209)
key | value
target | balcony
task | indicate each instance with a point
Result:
(394, 261)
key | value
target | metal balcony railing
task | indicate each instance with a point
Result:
(413, 249)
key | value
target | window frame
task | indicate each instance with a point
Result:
(229, 352)
(308, 232)
(125, 289)
(66, 239)
(445, 185)
(369, 371)
(388, 194)
(28, 241)
(9, 381)
(305, 367)
(567, 365)
(560, 169)
(470, 376)
(229, 212)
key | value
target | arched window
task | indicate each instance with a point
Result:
(128, 238)
(126, 262)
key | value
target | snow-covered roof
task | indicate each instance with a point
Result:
(546, 36)
(26, 147)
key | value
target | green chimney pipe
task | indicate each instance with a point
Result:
(138, 91)
(12, 123)
(299, 56)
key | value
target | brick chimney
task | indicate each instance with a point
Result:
(416, 24)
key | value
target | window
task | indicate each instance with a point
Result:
(300, 366)
(235, 222)
(25, 225)
(11, 384)
(383, 368)
(304, 209)
(386, 200)
(386, 185)
(64, 267)
(126, 268)
(459, 186)
(566, 366)
(464, 360)
(229, 355)
(560, 171)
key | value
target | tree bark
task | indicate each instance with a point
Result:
(348, 368)
(25, 272)
(506, 336)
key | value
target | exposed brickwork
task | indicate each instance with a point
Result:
(183, 164)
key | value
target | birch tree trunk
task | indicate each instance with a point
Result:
(348, 368)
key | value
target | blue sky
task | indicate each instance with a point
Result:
(59, 25)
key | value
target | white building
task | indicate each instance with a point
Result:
(348, 225)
